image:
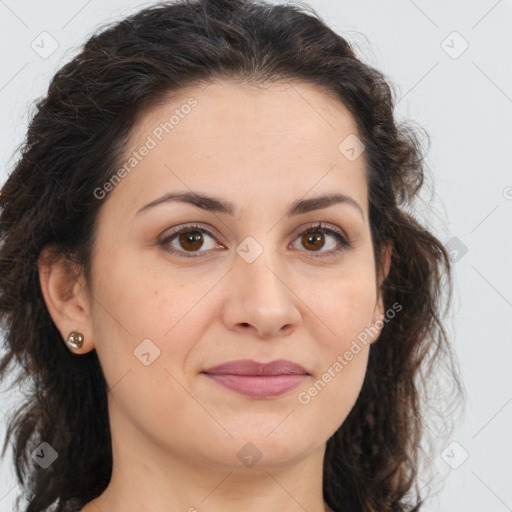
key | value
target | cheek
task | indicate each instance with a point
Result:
(347, 308)
(132, 307)
(143, 299)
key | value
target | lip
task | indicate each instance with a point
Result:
(259, 380)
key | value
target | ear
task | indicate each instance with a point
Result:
(378, 313)
(65, 293)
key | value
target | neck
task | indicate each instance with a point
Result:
(147, 477)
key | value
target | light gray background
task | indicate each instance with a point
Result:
(465, 103)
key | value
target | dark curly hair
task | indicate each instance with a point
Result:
(74, 144)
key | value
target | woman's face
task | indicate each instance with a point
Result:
(242, 283)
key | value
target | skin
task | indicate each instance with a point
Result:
(176, 433)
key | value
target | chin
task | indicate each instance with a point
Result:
(253, 450)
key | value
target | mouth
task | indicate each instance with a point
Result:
(259, 380)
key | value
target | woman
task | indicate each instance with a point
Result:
(208, 276)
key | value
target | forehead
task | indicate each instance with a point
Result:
(248, 141)
(285, 109)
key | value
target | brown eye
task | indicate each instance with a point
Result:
(191, 240)
(188, 241)
(316, 238)
(313, 241)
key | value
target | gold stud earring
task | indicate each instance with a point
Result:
(75, 339)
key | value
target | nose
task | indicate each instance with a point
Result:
(262, 300)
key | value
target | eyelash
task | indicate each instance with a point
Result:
(312, 229)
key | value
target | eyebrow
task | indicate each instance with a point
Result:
(218, 205)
